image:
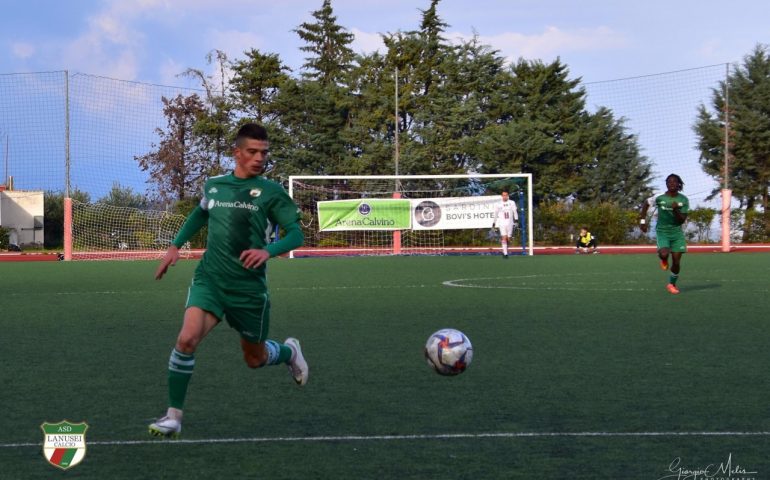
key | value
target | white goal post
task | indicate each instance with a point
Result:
(409, 214)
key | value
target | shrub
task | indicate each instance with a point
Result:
(5, 234)
(557, 223)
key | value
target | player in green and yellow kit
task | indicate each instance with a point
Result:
(672, 213)
(241, 210)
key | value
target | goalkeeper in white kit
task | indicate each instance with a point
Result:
(505, 218)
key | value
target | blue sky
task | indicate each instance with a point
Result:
(154, 40)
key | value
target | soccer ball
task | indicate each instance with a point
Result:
(448, 351)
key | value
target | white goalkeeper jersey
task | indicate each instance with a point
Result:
(505, 213)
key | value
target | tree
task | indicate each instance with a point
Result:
(53, 215)
(213, 124)
(120, 196)
(463, 107)
(432, 112)
(370, 133)
(543, 128)
(329, 46)
(256, 82)
(749, 114)
(312, 125)
(614, 170)
(314, 111)
(701, 219)
(180, 164)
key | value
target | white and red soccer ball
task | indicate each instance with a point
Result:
(448, 351)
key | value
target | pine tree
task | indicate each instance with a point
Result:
(256, 82)
(329, 46)
(749, 114)
(315, 110)
(614, 169)
(543, 128)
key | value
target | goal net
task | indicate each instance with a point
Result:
(409, 214)
(105, 232)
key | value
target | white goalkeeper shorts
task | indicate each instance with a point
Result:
(506, 229)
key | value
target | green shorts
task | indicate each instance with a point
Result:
(247, 311)
(674, 241)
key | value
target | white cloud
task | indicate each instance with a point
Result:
(233, 42)
(22, 50)
(110, 28)
(365, 42)
(713, 50)
(551, 42)
(169, 72)
(110, 45)
(91, 53)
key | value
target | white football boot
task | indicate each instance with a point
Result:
(166, 427)
(297, 364)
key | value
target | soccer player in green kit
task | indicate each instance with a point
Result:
(672, 213)
(240, 210)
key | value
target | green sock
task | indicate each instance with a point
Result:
(180, 370)
(673, 278)
(277, 353)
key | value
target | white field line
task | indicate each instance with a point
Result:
(393, 438)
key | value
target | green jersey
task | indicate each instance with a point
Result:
(241, 214)
(667, 222)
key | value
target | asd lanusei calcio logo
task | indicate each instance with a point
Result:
(64, 443)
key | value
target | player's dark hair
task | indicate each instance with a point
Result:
(251, 131)
(679, 182)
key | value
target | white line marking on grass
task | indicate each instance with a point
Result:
(543, 282)
(390, 438)
(556, 282)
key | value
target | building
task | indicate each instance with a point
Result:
(21, 212)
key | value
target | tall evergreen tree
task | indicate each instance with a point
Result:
(614, 171)
(538, 132)
(433, 45)
(256, 82)
(422, 59)
(328, 44)
(311, 126)
(544, 129)
(370, 134)
(749, 114)
(315, 110)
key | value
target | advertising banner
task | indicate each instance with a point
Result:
(454, 213)
(364, 214)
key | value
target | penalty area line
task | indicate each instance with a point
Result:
(386, 438)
